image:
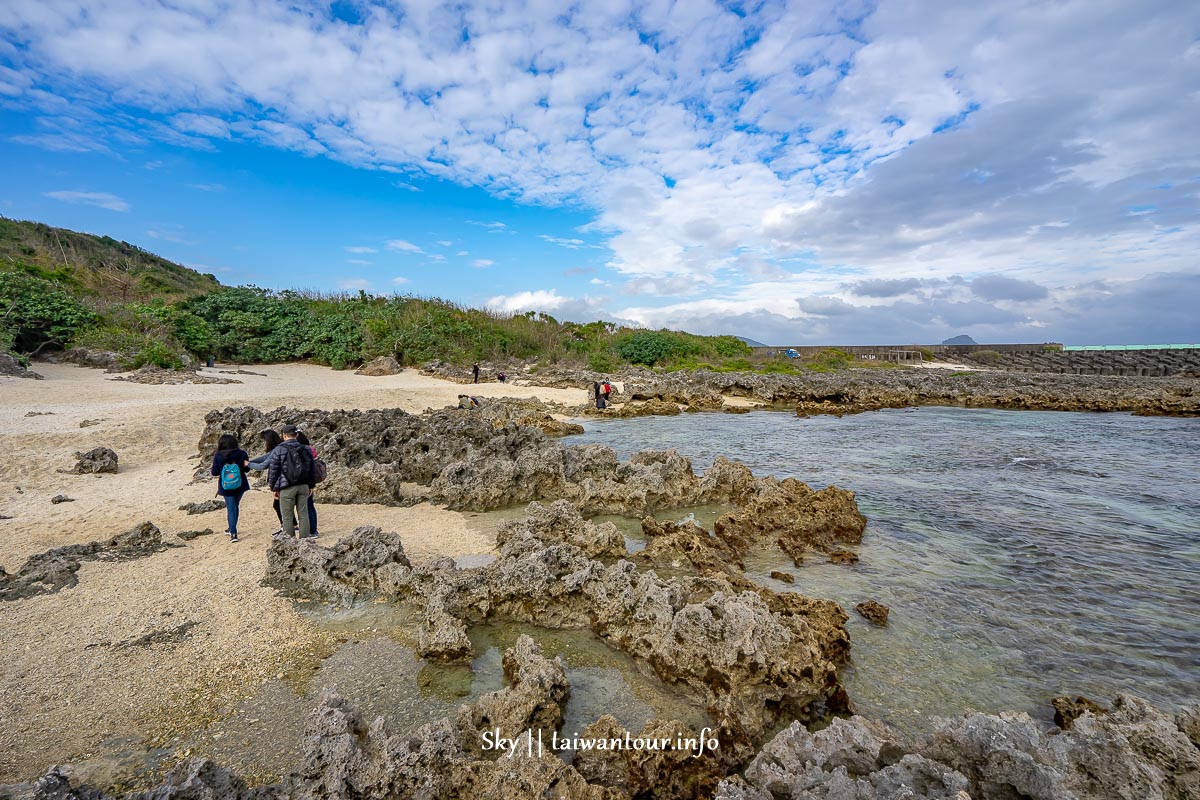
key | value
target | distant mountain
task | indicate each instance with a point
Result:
(751, 342)
(96, 265)
(962, 338)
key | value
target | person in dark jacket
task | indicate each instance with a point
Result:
(230, 454)
(271, 439)
(312, 496)
(292, 496)
(475, 371)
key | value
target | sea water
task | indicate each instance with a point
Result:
(1023, 554)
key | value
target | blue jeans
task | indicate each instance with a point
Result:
(232, 501)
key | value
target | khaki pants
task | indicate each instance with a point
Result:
(294, 501)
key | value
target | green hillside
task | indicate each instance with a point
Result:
(96, 266)
(61, 289)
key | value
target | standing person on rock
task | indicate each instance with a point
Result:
(290, 476)
(475, 371)
(229, 466)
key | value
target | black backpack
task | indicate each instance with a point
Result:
(297, 465)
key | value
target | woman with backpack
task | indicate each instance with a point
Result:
(229, 466)
(312, 504)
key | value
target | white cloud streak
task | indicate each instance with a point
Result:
(98, 199)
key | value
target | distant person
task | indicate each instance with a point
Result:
(606, 390)
(229, 465)
(290, 476)
(475, 371)
(597, 395)
(502, 377)
(312, 496)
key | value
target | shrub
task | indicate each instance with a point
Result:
(647, 347)
(987, 356)
(37, 313)
(601, 361)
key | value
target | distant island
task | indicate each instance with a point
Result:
(962, 338)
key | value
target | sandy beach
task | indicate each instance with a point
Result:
(67, 685)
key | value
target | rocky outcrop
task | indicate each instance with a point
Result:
(366, 562)
(874, 612)
(1136, 751)
(648, 408)
(12, 368)
(384, 365)
(54, 570)
(88, 357)
(96, 461)
(746, 655)
(153, 375)
(486, 459)
(533, 700)
(1069, 709)
(204, 506)
(855, 390)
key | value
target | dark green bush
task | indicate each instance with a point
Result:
(36, 314)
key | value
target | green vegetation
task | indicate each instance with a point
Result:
(987, 356)
(95, 266)
(62, 289)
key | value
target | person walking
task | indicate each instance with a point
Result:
(312, 496)
(229, 466)
(606, 390)
(475, 371)
(271, 439)
(290, 476)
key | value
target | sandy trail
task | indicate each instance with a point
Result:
(64, 687)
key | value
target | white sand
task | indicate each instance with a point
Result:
(61, 698)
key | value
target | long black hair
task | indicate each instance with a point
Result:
(227, 443)
(270, 439)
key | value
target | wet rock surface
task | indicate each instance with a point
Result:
(54, 570)
(1069, 709)
(97, 461)
(874, 612)
(746, 655)
(856, 390)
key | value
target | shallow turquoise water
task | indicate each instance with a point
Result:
(1023, 554)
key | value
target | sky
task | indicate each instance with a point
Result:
(795, 172)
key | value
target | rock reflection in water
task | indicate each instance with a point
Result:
(378, 672)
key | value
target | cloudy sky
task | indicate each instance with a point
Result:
(832, 172)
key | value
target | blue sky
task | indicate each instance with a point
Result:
(794, 172)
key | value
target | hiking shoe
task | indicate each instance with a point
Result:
(233, 539)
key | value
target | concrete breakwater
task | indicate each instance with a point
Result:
(1139, 363)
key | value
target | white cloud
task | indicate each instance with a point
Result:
(359, 249)
(171, 235)
(402, 246)
(573, 244)
(399, 280)
(482, 263)
(444, 243)
(207, 187)
(354, 284)
(98, 199)
(720, 149)
(359, 261)
(539, 300)
(462, 253)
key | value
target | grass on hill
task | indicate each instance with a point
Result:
(61, 289)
